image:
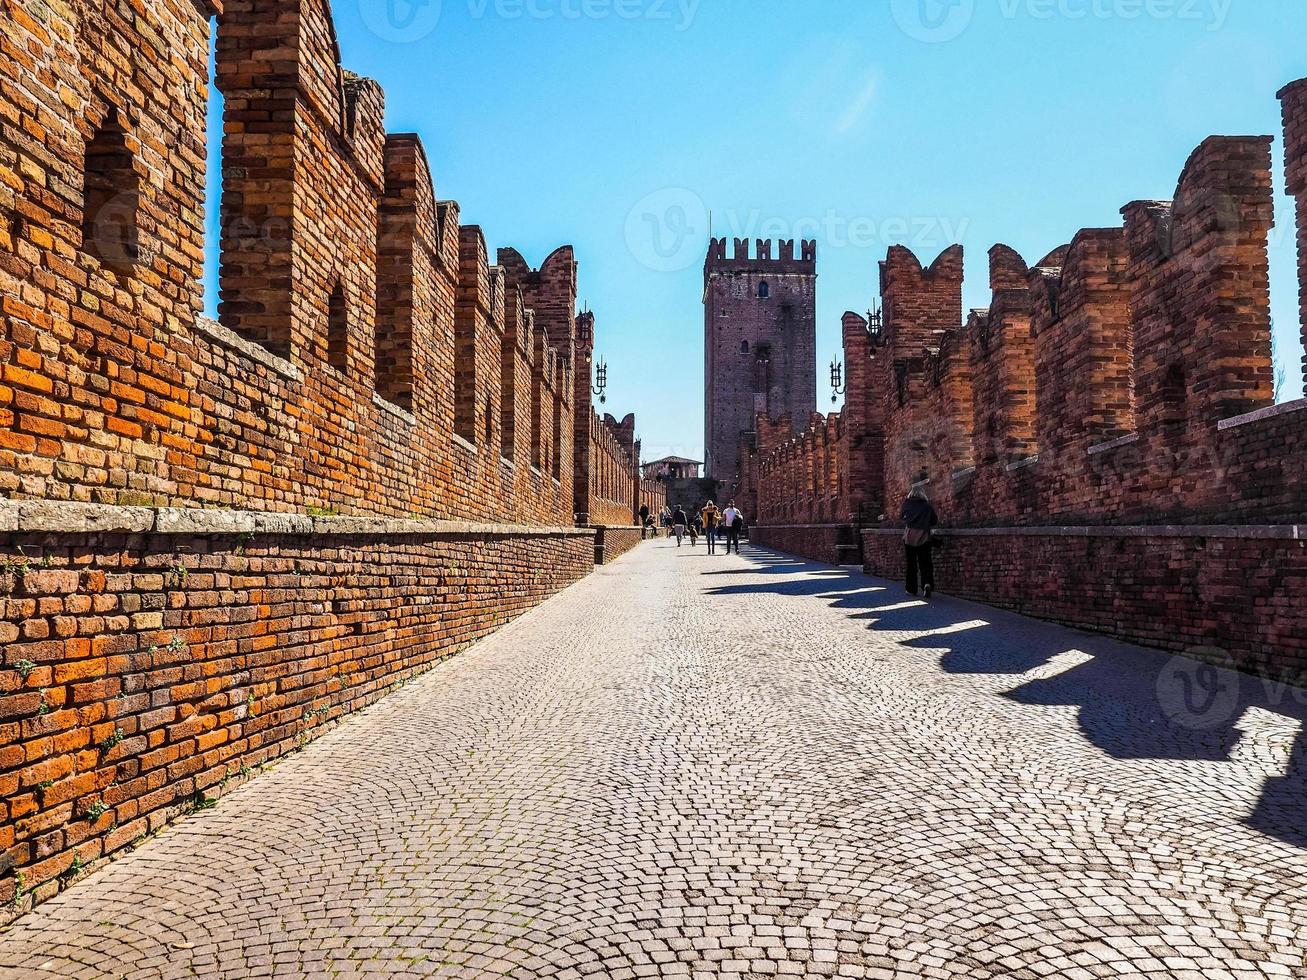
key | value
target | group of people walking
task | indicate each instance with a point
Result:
(710, 523)
(918, 516)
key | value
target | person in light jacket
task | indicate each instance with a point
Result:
(919, 519)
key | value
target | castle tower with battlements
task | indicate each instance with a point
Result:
(760, 340)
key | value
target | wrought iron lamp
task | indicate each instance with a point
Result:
(836, 381)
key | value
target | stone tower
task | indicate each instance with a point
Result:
(760, 341)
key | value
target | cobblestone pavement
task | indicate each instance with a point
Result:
(741, 767)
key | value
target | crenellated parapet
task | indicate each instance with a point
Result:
(1126, 376)
(1083, 346)
(1200, 291)
(744, 255)
(368, 357)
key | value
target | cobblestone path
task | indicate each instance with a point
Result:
(741, 767)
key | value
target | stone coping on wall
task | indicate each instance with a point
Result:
(1279, 532)
(230, 339)
(67, 517)
(1270, 412)
(1107, 447)
(391, 408)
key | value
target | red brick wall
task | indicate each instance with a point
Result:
(611, 543)
(1293, 99)
(1125, 378)
(653, 495)
(158, 665)
(613, 472)
(830, 543)
(377, 328)
(920, 306)
(1229, 595)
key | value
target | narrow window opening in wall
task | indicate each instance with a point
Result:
(764, 290)
(1174, 395)
(744, 347)
(338, 329)
(112, 197)
(490, 419)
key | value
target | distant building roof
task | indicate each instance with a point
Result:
(677, 459)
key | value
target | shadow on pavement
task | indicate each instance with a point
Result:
(1133, 703)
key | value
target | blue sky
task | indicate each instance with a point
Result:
(616, 124)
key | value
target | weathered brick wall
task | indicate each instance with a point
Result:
(369, 358)
(760, 335)
(84, 397)
(653, 494)
(611, 543)
(1125, 378)
(151, 660)
(921, 305)
(613, 472)
(833, 544)
(1002, 351)
(1231, 595)
(1293, 101)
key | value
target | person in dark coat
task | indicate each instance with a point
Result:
(679, 521)
(920, 520)
(644, 521)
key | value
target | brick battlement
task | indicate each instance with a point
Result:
(757, 256)
(368, 359)
(1125, 376)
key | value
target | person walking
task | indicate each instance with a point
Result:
(920, 520)
(733, 521)
(710, 517)
(678, 525)
(644, 521)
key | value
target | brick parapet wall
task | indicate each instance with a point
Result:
(613, 474)
(151, 654)
(369, 360)
(1293, 102)
(834, 544)
(1124, 378)
(611, 543)
(1230, 595)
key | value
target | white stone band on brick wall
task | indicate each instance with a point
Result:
(66, 517)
